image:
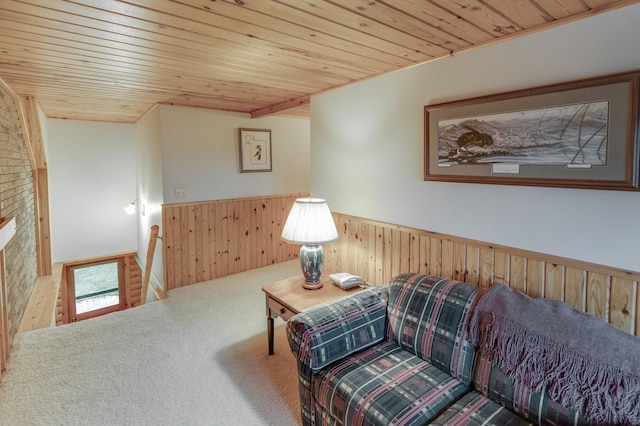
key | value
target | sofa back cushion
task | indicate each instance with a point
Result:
(535, 406)
(428, 316)
(580, 360)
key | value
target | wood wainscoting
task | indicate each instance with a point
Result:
(212, 239)
(378, 251)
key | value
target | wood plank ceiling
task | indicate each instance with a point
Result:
(113, 60)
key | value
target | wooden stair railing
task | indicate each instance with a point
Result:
(147, 268)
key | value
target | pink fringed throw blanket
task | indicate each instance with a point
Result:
(582, 361)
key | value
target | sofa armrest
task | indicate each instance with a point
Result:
(327, 333)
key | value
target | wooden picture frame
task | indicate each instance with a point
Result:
(581, 134)
(255, 150)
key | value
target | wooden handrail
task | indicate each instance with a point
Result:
(153, 238)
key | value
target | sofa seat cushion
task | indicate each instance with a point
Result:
(384, 385)
(475, 409)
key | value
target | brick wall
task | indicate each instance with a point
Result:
(17, 199)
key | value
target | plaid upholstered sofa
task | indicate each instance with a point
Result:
(401, 355)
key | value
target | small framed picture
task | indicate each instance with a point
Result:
(255, 150)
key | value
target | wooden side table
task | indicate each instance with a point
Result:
(286, 298)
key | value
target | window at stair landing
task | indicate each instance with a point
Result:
(95, 289)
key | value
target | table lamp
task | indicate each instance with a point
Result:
(310, 223)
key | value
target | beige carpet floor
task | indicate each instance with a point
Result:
(196, 358)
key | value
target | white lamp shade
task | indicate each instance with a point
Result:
(309, 222)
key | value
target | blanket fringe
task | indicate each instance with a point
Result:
(603, 392)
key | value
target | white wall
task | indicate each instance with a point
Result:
(200, 153)
(375, 130)
(149, 187)
(197, 149)
(92, 178)
(96, 169)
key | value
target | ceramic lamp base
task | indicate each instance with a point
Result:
(311, 258)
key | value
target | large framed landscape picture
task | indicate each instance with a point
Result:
(581, 134)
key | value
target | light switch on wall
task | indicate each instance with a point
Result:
(181, 192)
